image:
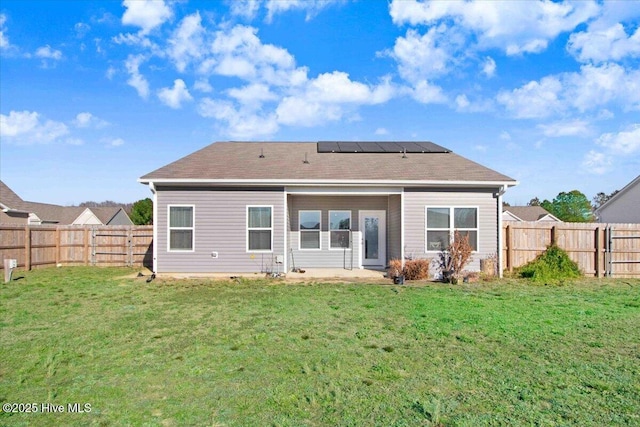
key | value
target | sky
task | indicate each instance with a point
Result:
(95, 94)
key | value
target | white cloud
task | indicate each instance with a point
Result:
(45, 52)
(422, 56)
(533, 100)
(611, 43)
(81, 29)
(591, 88)
(240, 123)
(505, 136)
(252, 95)
(111, 71)
(175, 96)
(428, 93)
(244, 8)
(137, 80)
(566, 128)
(203, 85)
(624, 142)
(515, 27)
(311, 7)
(599, 85)
(381, 131)
(489, 67)
(329, 97)
(146, 14)
(596, 162)
(4, 39)
(112, 142)
(187, 41)
(86, 120)
(27, 127)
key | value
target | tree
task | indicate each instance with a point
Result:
(142, 212)
(601, 198)
(534, 202)
(570, 207)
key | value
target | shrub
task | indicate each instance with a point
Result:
(550, 266)
(455, 258)
(395, 268)
(416, 269)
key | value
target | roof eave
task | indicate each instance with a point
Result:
(321, 182)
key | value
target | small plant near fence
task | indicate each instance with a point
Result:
(551, 266)
(453, 260)
(414, 269)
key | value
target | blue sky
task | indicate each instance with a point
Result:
(95, 94)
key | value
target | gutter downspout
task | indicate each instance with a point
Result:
(503, 189)
(152, 187)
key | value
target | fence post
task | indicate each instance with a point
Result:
(27, 248)
(509, 233)
(85, 240)
(57, 245)
(553, 236)
(598, 262)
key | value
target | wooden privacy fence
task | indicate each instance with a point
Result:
(42, 245)
(611, 250)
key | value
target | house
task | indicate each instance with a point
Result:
(527, 213)
(256, 206)
(623, 207)
(17, 211)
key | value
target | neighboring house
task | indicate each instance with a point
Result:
(17, 211)
(624, 207)
(527, 213)
(256, 206)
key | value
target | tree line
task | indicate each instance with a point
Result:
(573, 206)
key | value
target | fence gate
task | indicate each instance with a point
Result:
(621, 249)
(127, 247)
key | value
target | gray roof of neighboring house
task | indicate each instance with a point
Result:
(105, 213)
(528, 213)
(284, 161)
(8, 198)
(53, 213)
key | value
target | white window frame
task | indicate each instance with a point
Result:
(331, 248)
(270, 228)
(192, 228)
(451, 228)
(300, 230)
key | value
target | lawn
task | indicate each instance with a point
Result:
(240, 353)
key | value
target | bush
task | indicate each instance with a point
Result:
(550, 266)
(455, 258)
(414, 269)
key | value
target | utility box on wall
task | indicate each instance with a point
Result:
(9, 265)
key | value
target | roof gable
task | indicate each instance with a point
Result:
(530, 213)
(619, 194)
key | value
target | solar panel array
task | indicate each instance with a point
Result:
(380, 147)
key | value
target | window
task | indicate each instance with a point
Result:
(443, 222)
(309, 225)
(181, 228)
(339, 229)
(259, 228)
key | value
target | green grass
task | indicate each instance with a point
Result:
(199, 352)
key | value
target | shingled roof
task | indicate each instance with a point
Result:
(301, 161)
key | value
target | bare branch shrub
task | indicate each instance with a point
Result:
(455, 258)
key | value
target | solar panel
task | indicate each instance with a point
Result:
(380, 147)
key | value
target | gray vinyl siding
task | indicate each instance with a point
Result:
(623, 209)
(394, 227)
(220, 226)
(414, 215)
(325, 257)
(121, 218)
